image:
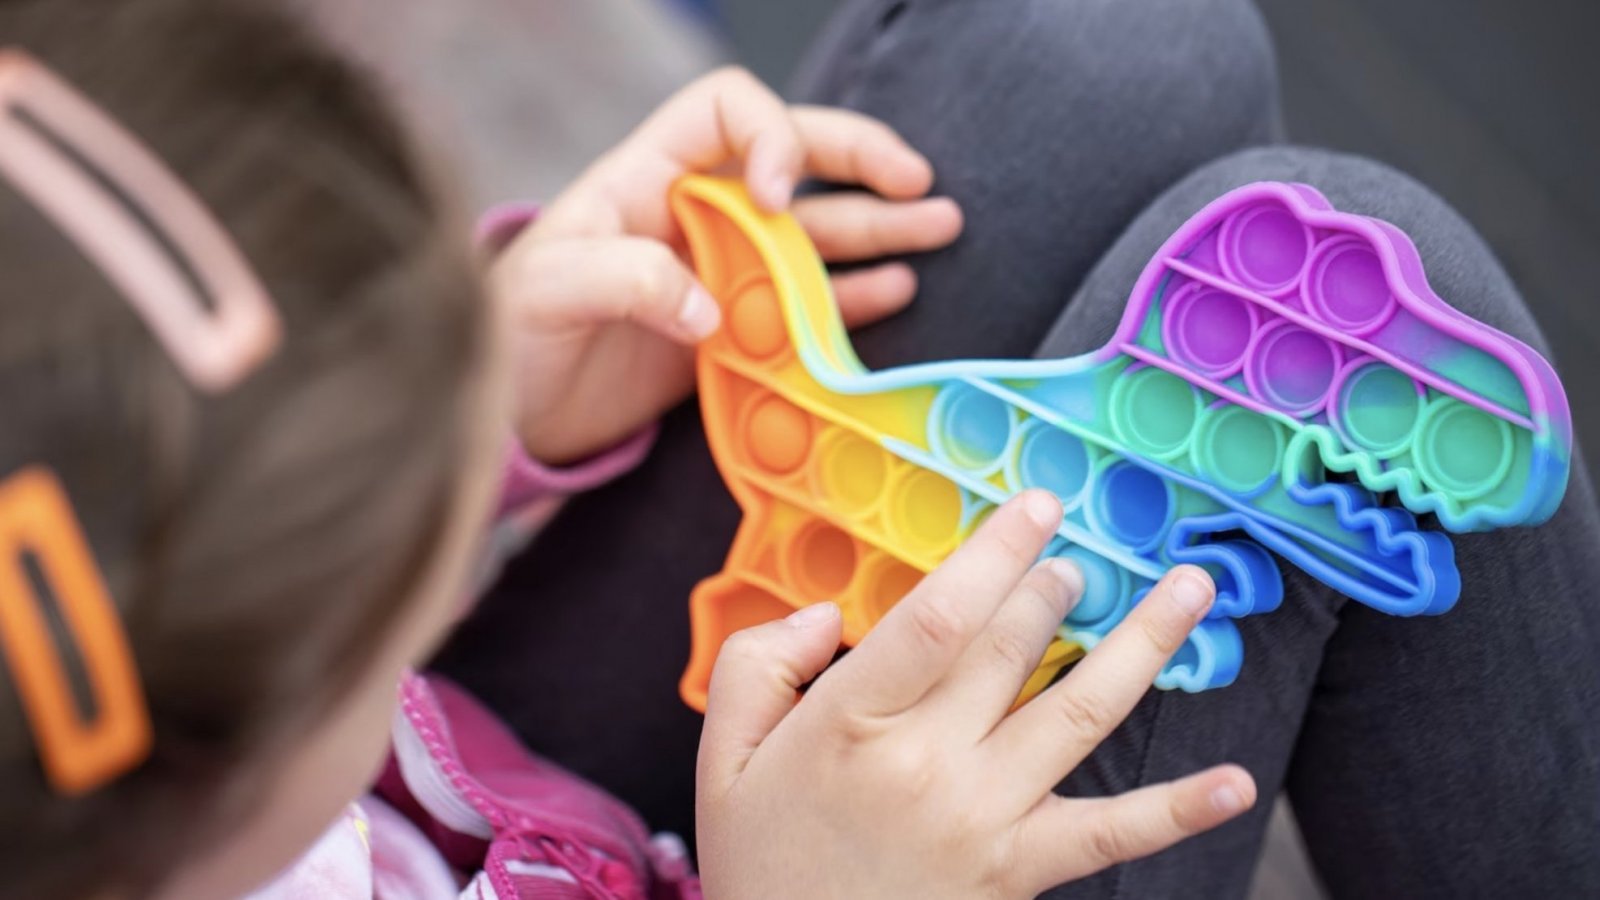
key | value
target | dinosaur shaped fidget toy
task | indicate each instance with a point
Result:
(1271, 341)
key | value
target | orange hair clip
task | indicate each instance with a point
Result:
(80, 752)
(159, 246)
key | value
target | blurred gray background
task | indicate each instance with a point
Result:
(1491, 103)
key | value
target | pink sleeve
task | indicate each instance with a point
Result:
(527, 480)
(502, 222)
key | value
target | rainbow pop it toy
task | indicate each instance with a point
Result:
(1272, 340)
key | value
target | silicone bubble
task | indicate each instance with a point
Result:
(851, 472)
(1463, 449)
(1133, 506)
(1348, 288)
(1054, 460)
(820, 559)
(755, 321)
(925, 511)
(1283, 390)
(971, 428)
(1239, 449)
(1208, 330)
(887, 581)
(1378, 407)
(1265, 246)
(1154, 411)
(1105, 588)
(1291, 368)
(777, 434)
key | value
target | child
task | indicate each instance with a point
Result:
(255, 417)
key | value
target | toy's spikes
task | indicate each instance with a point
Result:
(1270, 340)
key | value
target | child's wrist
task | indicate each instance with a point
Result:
(528, 479)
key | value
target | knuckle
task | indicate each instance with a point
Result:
(1109, 845)
(935, 620)
(1085, 714)
(853, 729)
(1183, 817)
(653, 279)
(1046, 591)
(1010, 649)
(743, 647)
(1014, 550)
(910, 766)
(1163, 635)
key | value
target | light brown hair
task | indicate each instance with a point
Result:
(257, 544)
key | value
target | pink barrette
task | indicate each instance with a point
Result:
(132, 217)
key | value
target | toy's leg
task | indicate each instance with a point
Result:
(1403, 742)
(1069, 117)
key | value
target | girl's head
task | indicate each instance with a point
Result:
(278, 552)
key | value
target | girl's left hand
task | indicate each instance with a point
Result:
(605, 309)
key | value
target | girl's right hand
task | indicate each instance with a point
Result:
(904, 772)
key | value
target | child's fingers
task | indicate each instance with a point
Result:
(728, 114)
(596, 280)
(1053, 733)
(986, 680)
(855, 226)
(754, 685)
(867, 295)
(912, 648)
(847, 147)
(1103, 832)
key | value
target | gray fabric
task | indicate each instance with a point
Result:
(1443, 757)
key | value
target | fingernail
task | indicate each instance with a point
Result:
(699, 315)
(780, 190)
(813, 615)
(1227, 800)
(1192, 593)
(1042, 508)
(1071, 578)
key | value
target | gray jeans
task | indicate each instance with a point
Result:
(1449, 756)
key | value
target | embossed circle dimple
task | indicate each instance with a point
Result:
(1266, 247)
(1208, 330)
(756, 321)
(778, 434)
(975, 426)
(1154, 411)
(1239, 448)
(1105, 584)
(1056, 461)
(926, 509)
(1462, 449)
(852, 471)
(1348, 288)
(822, 560)
(1378, 408)
(1292, 368)
(1132, 505)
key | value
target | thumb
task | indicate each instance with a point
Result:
(592, 281)
(756, 681)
